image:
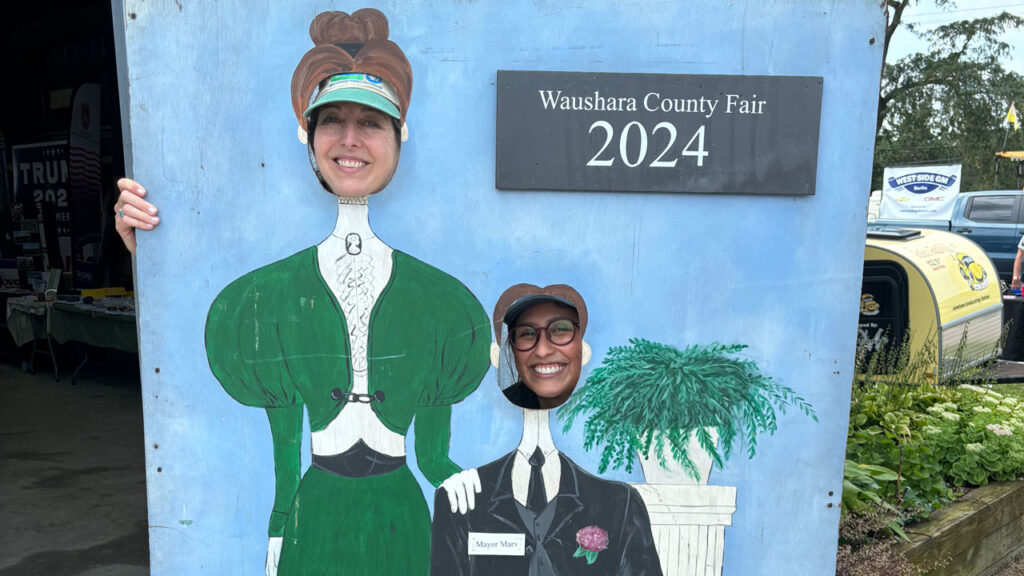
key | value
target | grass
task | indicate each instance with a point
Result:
(1016, 390)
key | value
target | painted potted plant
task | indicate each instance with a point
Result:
(680, 410)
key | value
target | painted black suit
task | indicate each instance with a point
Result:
(582, 500)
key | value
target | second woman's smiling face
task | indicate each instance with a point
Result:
(355, 148)
(551, 371)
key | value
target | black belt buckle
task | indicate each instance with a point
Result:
(351, 397)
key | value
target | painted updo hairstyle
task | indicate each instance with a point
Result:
(350, 43)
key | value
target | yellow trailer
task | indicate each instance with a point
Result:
(936, 285)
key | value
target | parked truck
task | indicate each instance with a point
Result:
(993, 219)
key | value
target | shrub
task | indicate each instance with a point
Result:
(914, 438)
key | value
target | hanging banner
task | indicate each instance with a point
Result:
(84, 181)
(919, 192)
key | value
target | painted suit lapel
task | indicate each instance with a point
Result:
(567, 501)
(502, 502)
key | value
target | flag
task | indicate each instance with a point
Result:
(1011, 117)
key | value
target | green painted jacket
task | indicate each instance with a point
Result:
(276, 338)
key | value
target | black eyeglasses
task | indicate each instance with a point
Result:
(560, 332)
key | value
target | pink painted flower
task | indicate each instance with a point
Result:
(592, 539)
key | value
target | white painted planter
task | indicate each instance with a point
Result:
(673, 473)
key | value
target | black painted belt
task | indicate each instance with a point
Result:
(359, 461)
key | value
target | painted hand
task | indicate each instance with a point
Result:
(131, 212)
(462, 489)
(273, 554)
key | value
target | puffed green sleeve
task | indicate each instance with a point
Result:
(463, 363)
(244, 352)
(463, 353)
(243, 347)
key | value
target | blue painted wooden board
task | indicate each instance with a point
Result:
(212, 136)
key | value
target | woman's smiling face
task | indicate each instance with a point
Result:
(355, 148)
(549, 370)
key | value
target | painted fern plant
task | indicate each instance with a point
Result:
(646, 394)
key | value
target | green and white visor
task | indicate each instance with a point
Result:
(365, 89)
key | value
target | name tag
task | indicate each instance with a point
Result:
(492, 544)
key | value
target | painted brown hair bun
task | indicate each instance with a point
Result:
(356, 42)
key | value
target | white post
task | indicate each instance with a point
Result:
(689, 523)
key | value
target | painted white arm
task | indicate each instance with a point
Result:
(462, 488)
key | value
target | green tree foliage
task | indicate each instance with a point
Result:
(949, 103)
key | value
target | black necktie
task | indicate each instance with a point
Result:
(536, 498)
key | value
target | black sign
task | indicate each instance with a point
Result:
(657, 132)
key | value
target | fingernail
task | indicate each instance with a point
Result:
(154, 220)
(152, 209)
(140, 190)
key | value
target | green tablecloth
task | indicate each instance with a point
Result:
(93, 325)
(28, 319)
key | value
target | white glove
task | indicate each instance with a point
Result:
(273, 554)
(462, 488)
